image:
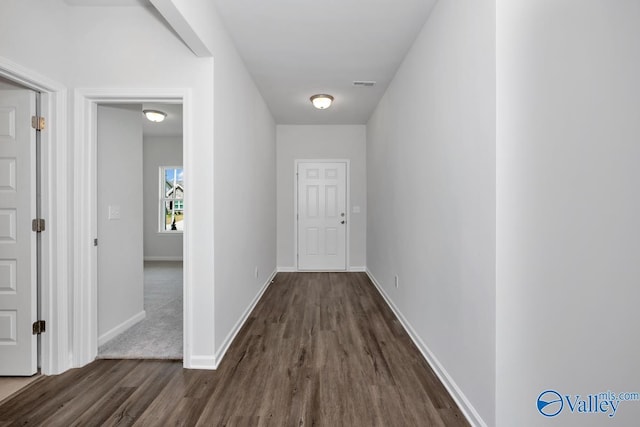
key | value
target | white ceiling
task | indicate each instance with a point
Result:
(297, 48)
(118, 3)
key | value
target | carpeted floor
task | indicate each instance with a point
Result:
(159, 335)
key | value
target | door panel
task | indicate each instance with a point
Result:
(322, 190)
(18, 310)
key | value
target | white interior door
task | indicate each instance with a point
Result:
(322, 200)
(18, 304)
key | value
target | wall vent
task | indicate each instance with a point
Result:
(364, 83)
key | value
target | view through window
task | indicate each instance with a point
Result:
(171, 199)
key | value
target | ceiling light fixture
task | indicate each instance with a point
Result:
(154, 115)
(322, 101)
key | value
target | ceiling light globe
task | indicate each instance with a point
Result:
(321, 101)
(155, 116)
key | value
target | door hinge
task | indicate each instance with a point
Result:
(95, 242)
(37, 225)
(38, 122)
(39, 327)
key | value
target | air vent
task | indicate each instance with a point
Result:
(364, 83)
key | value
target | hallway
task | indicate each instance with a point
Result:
(319, 349)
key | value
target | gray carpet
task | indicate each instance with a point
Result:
(159, 335)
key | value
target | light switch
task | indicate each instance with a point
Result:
(356, 209)
(114, 212)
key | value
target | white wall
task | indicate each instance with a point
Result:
(120, 241)
(20, 42)
(111, 49)
(245, 178)
(159, 151)
(115, 48)
(321, 142)
(245, 199)
(568, 236)
(431, 198)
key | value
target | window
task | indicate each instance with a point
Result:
(171, 199)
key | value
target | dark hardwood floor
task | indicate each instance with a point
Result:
(319, 349)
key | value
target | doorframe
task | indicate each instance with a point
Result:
(55, 261)
(85, 298)
(347, 162)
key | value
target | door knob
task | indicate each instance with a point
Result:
(342, 222)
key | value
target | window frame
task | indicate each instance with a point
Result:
(163, 200)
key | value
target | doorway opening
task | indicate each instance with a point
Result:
(85, 325)
(140, 223)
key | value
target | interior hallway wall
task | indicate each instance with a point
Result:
(431, 198)
(321, 142)
(32, 34)
(120, 237)
(244, 178)
(244, 183)
(109, 47)
(568, 205)
(159, 151)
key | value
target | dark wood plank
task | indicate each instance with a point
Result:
(319, 349)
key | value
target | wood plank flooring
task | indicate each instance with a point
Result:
(320, 349)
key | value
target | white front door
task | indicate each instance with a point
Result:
(18, 310)
(322, 201)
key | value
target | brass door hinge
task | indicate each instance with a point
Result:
(38, 122)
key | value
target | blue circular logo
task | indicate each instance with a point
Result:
(550, 403)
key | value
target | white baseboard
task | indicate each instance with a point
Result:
(163, 258)
(293, 270)
(236, 328)
(201, 362)
(456, 393)
(109, 335)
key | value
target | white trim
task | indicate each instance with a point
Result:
(163, 258)
(188, 361)
(85, 340)
(114, 332)
(202, 362)
(294, 270)
(238, 326)
(85, 325)
(456, 393)
(347, 208)
(54, 351)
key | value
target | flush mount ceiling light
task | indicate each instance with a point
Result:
(154, 115)
(322, 101)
